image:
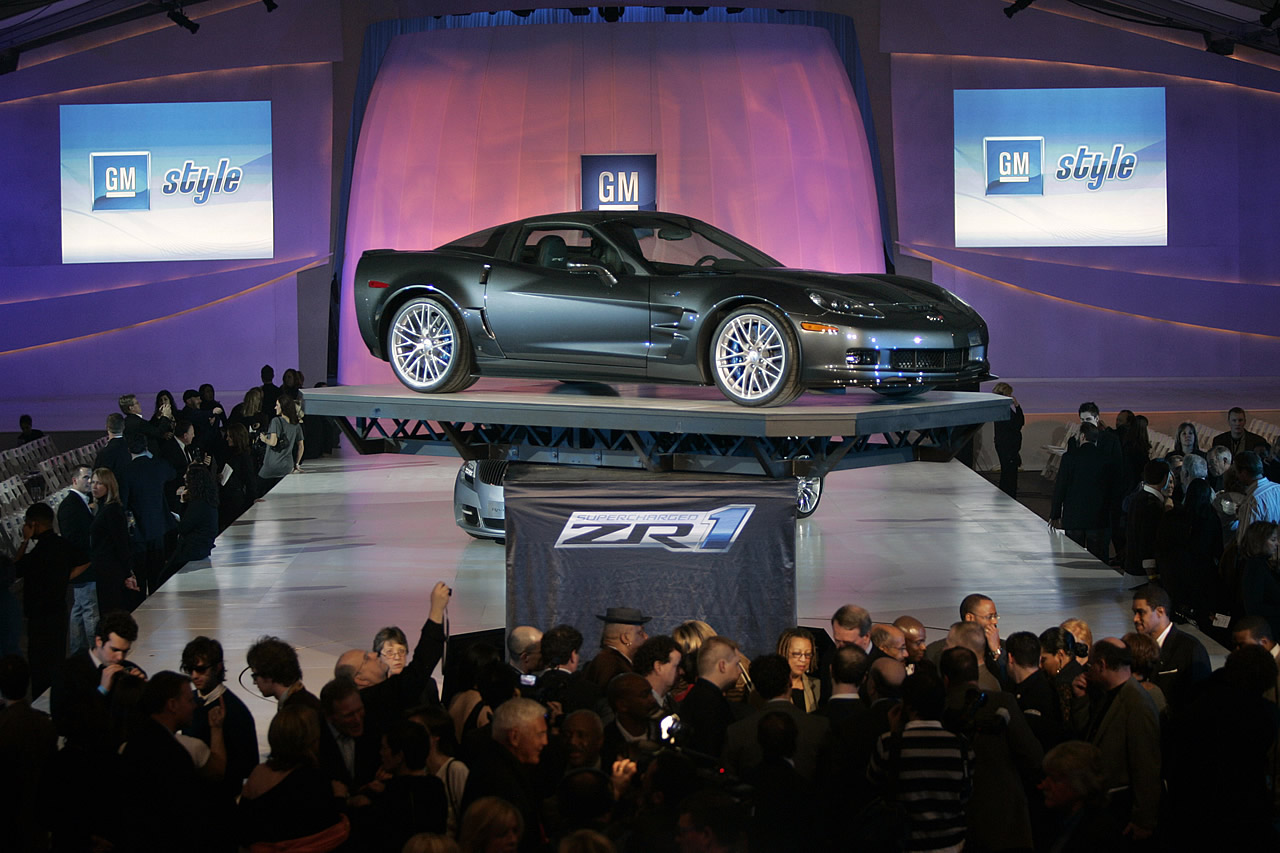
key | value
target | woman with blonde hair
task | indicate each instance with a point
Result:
(111, 553)
(491, 825)
(690, 636)
(797, 646)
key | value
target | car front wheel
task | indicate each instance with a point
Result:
(428, 347)
(755, 358)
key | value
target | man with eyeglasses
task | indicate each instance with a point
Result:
(202, 660)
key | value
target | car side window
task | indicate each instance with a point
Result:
(554, 248)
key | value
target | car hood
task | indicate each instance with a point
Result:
(886, 291)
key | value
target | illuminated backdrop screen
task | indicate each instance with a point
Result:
(1060, 167)
(166, 182)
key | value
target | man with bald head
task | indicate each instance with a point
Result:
(1123, 722)
(524, 650)
(890, 642)
(916, 636)
(969, 635)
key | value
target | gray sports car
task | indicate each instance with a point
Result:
(655, 297)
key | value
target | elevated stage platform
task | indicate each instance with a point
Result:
(659, 427)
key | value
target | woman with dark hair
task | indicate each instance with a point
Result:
(289, 798)
(165, 407)
(1146, 661)
(392, 648)
(1135, 450)
(240, 489)
(199, 524)
(442, 759)
(1059, 658)
(1186, 442)
(111, 552)
(1259, 587)
(796, 645)
(283, 439)
(464, 705)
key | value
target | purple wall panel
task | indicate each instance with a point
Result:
(754, 126)
(1098, 311)
(107, 328)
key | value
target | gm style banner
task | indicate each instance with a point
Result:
(676, 546)
(166, 182)
(1060, 167)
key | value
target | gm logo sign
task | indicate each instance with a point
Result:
(121, 180)
(619, 181)
(1014, 164)
(690, 532)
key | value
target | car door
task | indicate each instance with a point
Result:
(539, 309)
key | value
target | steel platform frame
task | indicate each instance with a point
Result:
(657, 428)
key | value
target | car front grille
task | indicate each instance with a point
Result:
(491, 471)
(927, 359)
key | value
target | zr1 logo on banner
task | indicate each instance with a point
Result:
(713, 532)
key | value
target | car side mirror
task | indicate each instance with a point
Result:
(581, 268)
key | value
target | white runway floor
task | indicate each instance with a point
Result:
(356, 543)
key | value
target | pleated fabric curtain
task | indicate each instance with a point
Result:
(754, 126)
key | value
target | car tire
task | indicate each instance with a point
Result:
(755, 358)
(429, 348)
(808, 495)
(901, 392)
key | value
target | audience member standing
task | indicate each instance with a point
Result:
(110, 548)
(135, 425)
(1146, 508)
(284, 444)
(198, 526)
(1183, 659)
(705, 711)
(48, 564)
(1237, 439)
(1262, 496)
(505, 766)
(75, 520)
(1083, 492)
(1259, 588)
(115, 455)
(1008, 441)
(142, 491)
(28, 748)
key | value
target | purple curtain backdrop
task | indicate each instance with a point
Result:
(1205, 305)
(98, 330)
(755, 128)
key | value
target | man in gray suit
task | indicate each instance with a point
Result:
(772, 677)
(1123, 722)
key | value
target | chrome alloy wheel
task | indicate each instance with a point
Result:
(423, 343)
(751, 357)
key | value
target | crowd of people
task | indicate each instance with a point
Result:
(869, 737)
(155, 499)
(1202, 523)
(866, 735)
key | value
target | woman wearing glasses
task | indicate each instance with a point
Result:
(796, 645)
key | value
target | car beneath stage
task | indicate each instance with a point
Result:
(644, 296)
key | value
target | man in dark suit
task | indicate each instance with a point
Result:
(348, 747)
(841, 776)
(115, 454)
(78, 700)
(772, 677)
(1124, 724)
(504, 766)
(1036, 694)
(1237, 439)
(47, 563)
(705, 713)
(1146, 508)
(74, 520)
(562, 681)
(142, 491)
(1183, 659)
(28, 748)
(202, 660)
(136, 425)
(1083, 492)
(158, 772)
(658, 660)
(177, 450)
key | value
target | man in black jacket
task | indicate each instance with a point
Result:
(48, 564)
(504, 767)
(1083, 492)
(74, 520)
(202, 660)
(1146, 508)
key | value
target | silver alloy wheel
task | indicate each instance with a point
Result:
(422, 345)
(751, 356)
(808, 495)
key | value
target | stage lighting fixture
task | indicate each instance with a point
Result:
(1017, 6)
(175, 15)
(8, 60)
(611, 13)
(1223, 46)
(271, 5)
(1269, 19)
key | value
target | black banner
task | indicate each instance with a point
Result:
(677, 546)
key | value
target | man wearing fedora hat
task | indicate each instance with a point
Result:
(622, 635)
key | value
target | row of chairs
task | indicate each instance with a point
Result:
(46, 479)
(26, 457)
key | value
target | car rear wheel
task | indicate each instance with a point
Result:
(428, 348)
(755, 358)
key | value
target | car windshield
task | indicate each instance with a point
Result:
(684, 246)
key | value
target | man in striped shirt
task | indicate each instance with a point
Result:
(924, 768)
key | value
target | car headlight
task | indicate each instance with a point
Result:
(469, 472)
(838, 304)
